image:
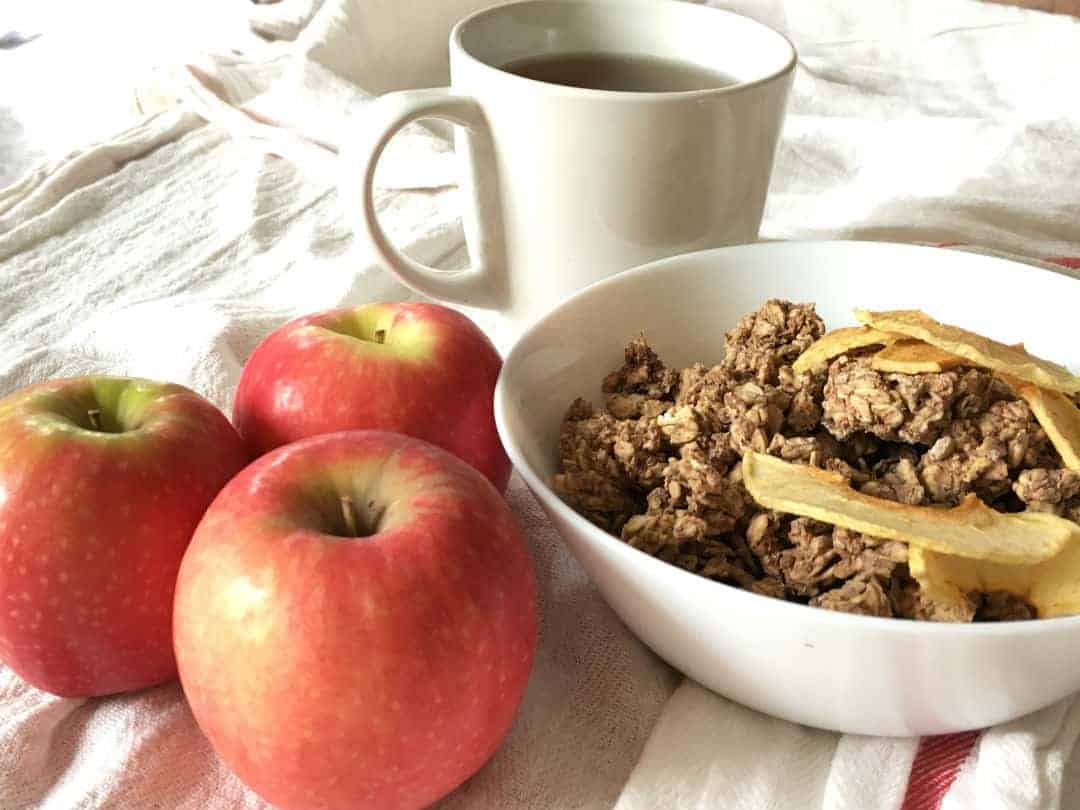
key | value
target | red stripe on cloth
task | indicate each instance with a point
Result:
(936, 765)
(1072, 262)
(1066, 261)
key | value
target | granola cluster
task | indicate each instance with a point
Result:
(660, 464)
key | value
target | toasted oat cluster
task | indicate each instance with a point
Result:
(659, 465)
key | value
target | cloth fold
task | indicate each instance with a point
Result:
(171, 249)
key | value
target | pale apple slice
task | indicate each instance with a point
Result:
(971, 530)
(976, 349)
(837, 342)
(915, 357)
(1052, 586)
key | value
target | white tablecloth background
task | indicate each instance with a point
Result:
(169, 249)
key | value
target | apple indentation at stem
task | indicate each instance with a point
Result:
(357, 522)
(348, 512)
(108, 405)
(98, 420)
(377, 330)
(370, 324)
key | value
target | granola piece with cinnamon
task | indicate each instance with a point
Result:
(754, 427)
(695, 481)
(816, 450)
(643, 373)
(822, 556)
(1055, 491)
(980, 454)
(863, 595)
(865, 555)
(635, 406)
(855, 475)
(752, 414)
(684, 539)
(962, 462)
(1000, 606)
(976, 391)
(654, 531)
(752, 410)
(650, 532)
(803, 411)
(1013, 425)
(894, 407)
(896, 480)
(727, 568)
(769, 586)
(598, 497)
(769, 338)
(909, 602)
(607, 463)
(681, 424)
(642, 452)
(808, 565)
(591, 478)
(765, 536)
(705, 391)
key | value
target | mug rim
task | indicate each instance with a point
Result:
(458, 46)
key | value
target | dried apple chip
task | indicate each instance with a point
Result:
(976, 349)
(1057, 414)
(1052, 586)
(915, 357)
(835, 343)
(972, 529)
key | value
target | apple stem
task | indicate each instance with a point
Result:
(348, 511)
(94, 415)
(380, 336)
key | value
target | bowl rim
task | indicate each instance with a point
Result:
(609, 543)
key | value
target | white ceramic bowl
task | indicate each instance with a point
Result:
(831, 670)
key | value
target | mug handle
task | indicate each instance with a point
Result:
(379, 120)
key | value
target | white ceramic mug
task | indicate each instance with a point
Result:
(570, 185)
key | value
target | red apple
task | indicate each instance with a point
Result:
(418, 369)
(102, 482)
(355, 622)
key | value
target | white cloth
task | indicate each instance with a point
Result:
(72, 84)
(169, 250)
